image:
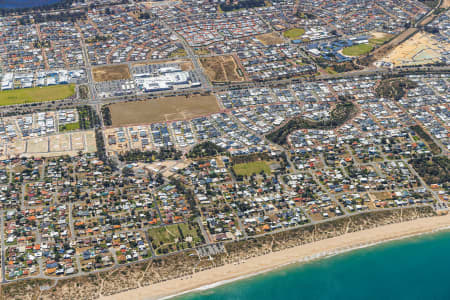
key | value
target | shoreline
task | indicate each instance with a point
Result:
(218, 276)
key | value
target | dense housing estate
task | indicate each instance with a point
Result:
(158, 137)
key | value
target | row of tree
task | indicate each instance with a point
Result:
(188, 193)
(165, 153)
(100, 143)
(106, 114)
(427, 138)
(88, 117)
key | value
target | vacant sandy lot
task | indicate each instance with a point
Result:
(91, 145)
(77, 141)
(221, 68)
(384, 49)
(380, 37)
(38, 145)
(378, 34)
(59, 143)
(419, 49)
(15, 148)
(163, 109)
(168, 167)
(270, 38)
(107, 73)
(53, 145)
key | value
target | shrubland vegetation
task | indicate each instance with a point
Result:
(150, 156)
(84, 91)
(394, 88)
(433, 170)
(206, 149)
(340, 114)
(106, 114)
(427, 138)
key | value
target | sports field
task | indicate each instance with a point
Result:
(357, 50)
(294, 33)
(172, 237)
(162, 109)
(37, 94)
(254, 167)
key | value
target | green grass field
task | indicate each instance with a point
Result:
(380, 41)
(294, 33)
(254, 167)
(169, 238)
(357, 50)
(330, 70)
(69, 127)
(37, 94)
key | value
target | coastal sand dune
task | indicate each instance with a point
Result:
(292, 255)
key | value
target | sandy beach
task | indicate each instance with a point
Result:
(273, 260)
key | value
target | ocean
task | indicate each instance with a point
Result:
(25, 3)
(412, 268)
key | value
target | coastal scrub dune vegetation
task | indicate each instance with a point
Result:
(185, 263)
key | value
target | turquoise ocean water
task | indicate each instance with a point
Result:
(11, 4)
(413, 268)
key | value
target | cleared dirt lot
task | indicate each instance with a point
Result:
(52, 146)
(221, 68)
(270, 38)
(418, 50)
(59, 143)
(163, 109)
(37, 145)
(107, 73)
(386, 48)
